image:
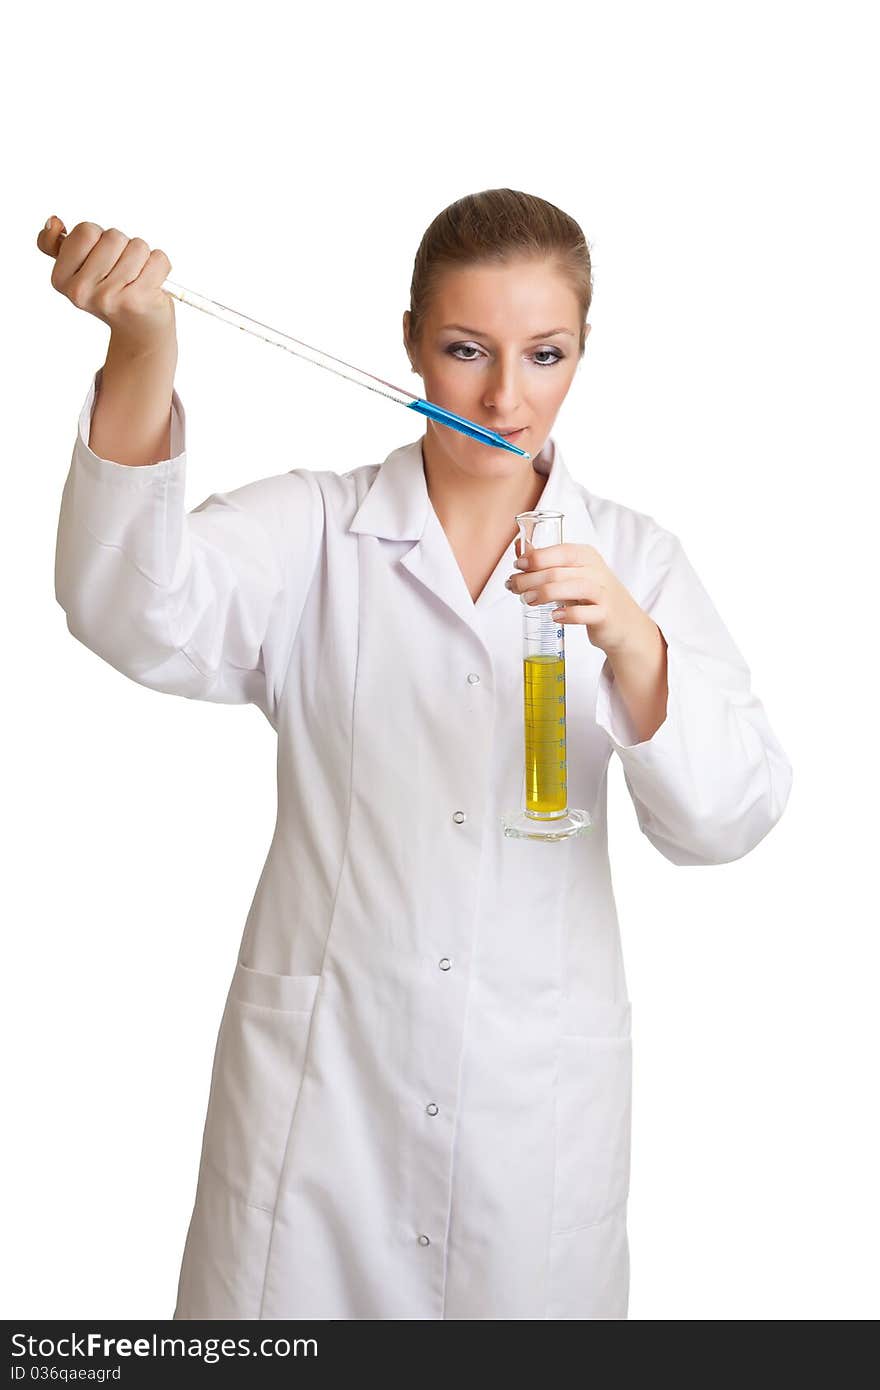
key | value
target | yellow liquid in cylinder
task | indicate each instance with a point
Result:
(544, 700)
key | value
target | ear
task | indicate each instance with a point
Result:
(587, 330)
(406, 343)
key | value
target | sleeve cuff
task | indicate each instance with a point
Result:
(122, 474)
(613, 716)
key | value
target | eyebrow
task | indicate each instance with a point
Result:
(478, 333)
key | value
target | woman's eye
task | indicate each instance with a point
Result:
(456, 348)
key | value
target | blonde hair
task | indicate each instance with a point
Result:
(494, 226)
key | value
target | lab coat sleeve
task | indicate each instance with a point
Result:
(713, 779)
(204, 604)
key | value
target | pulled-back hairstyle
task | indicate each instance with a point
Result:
(496, 225)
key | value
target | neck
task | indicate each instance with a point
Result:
(468, 505)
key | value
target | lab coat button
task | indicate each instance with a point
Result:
(459, 817)
(473, 678)
(423, 1240)
(432, 1109)
(445, 963)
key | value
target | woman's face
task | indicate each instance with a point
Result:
(499, 345)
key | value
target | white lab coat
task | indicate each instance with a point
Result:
(421, 1093)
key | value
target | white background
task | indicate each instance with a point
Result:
(721, 160)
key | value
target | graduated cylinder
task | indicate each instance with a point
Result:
(545, 814)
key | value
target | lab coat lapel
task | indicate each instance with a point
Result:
(397, 507)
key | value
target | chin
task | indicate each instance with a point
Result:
(486, 457)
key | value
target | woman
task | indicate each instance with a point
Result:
(420, 1098)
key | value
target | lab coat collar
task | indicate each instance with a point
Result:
(397, 507)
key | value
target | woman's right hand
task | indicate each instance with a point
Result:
(114, 277)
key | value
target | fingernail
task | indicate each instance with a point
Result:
(48, 225)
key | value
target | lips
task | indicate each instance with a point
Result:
(509, 434)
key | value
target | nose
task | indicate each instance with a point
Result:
(503, 391)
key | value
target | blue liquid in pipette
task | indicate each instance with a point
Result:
(457, 422)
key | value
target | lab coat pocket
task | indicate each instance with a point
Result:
(593, 1110)
(255, 1082)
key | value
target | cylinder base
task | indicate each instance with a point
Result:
(524, 826)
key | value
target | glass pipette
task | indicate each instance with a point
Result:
(333, 364)
(343, 369)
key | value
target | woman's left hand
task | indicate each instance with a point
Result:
(577, 577)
